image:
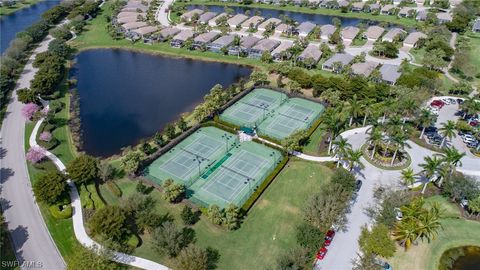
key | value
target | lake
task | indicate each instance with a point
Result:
(20, 20)
(297, 16)
(126, 96)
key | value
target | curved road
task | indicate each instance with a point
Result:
(31, 239)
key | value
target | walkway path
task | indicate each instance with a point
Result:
(31, 240)
(77, 217)
(163, 14)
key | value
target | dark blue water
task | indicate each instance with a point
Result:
(297, 16)
(126, 96)
(16, 22)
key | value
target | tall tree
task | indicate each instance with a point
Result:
(377, 241)
(425, 119)
(408, 176)
(447, 131)
(50, 186)
(83, 169)
(341, 148)
(354, 158)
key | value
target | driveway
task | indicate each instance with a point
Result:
(344, 247)
(31, 239)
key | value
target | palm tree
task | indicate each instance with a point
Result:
(407, 108)
(429, 223)
(425, 119)
(406, 233)
(408, 176)
(447, 131)
(353, 157)
(353, 106)
(375, 138)
(334, 125)
(470, 106)
(452, 157)
(341, 148)
(431, 167)
(399, 142)
(367, 111)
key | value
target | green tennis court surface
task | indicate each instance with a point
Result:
(215, 167)
(272, 113)
(253, 108)
(295, 114)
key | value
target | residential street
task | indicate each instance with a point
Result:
(31, 239)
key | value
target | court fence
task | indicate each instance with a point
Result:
(259, 191)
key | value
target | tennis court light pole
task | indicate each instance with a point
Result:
(226, 137)
(198, 163)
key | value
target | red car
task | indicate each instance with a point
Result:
(321, 253)
(329, 237)
(437, 103)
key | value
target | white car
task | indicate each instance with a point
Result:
(398, 213)
(446, 101)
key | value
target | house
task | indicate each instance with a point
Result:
(358, 6)
(281, 52)
(390, 73)
(142, 33)
(283, 29)
(476, 26)
(342, 58)
(264, 45)
(206, 17)
(444, 17)
(133, 25)
(213, 21)
(374, 32)
(349, 33)
(312, 52)
(364, 69)
(412, 39)
(124, 20)
(167, 33)
(179, 39)
(392, 34)
(343, 3)
(387, 10)
(236, 20)
(313, 3)
(272, 21)
(130, 14)
(326, 31)
(304, 29)
(421, 15)
(374, 7)
(202, 40)
(252, 22)
(246, 43)
(187, 16)
(406, 12)
(220, 43)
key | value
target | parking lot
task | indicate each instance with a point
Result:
(449, 109)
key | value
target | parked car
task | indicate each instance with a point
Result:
(437, 104)
(358, 185)
(329, 237)
(398, 213)
(459, 101)
(321, 253)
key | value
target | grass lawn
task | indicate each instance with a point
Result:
(456, 232)
(313, 145)
(267, 230)
(65, 150)
(474, 55)
(418, 55)
(18, 5)
(321, 11)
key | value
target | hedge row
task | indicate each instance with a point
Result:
(253, 198)
(61, 214)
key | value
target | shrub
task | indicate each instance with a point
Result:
(83, 169)
(309, 237)
(49, 187)
(35, 154)
(61, 211)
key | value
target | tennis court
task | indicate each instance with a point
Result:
(253, 108)
(191, 157)
(215, 167)
(238, 177)
(295, 114)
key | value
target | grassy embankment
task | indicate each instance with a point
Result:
(407, 22)
(18, 5)
(456, 232)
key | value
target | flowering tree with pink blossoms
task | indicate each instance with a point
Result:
(35, 154)
(45, 136)
(29, 110)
